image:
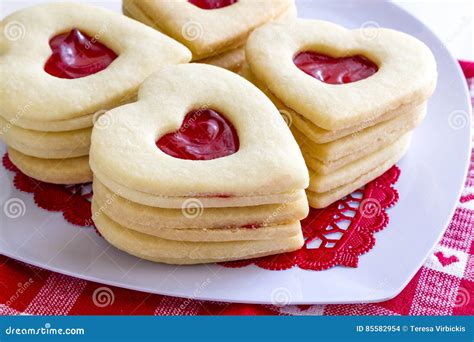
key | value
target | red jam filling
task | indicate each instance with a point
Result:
(252, 226)
(205, 134)
(335, 70)
(77, 55)
(219, 196)
(212, 4)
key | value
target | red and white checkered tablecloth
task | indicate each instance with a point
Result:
(443, 286)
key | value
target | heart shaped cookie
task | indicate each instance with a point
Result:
(199, 152)
(70, 63)
(139, 49)
(202, 168)
(351, 96)
(214, 30)
(387, 69)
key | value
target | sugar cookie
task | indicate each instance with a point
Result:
(321, 200)
(349, 173)
(364, 142)
(317, 134)
(193, 214)
(268, 155)
(140, 51)
(183, 252)
(349, 96)
(56, 171)
(207, 31)
(189, 173)
(232, 60)
(47, 145)
(284, 230)
(406, 70)
(72, 63)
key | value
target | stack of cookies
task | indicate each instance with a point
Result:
(214, 30)
(68, 65)
(352, 97)
(190, 174)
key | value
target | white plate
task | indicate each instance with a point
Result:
(432, 176)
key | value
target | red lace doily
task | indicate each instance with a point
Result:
(340, 233)
(72, 200)
(336, 235)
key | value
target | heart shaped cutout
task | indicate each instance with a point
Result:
(77, 55)
(212, 4)
(204, 135)
(332, 70)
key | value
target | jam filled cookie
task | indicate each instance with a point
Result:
(48, 145)
(212, 215)
(179, 252)
(71, 63)
(379, 166)
(214, 30)
(131, 214)
(202, 157)
(58, 171)
(340, 152)
(351, 97)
